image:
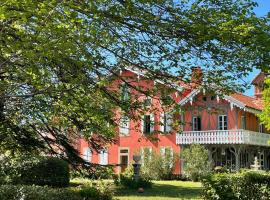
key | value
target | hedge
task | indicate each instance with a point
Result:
(48, 171)
(27, 192)
(245, 186)
(100, 191)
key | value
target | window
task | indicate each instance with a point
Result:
(124, 125)
(146, 154)
(103, 157)
(87, 154)
(222, 122)
(166, 120)
(167, 155)
(196, 123)
(213, 98)
(148, 124)
(204, 98)
(261, 128)
(243, 122)
(125, 95)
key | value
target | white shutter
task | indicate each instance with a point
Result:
(169, 122)
(161, 121)
(87, 155)
(152, 121)
(142, 124)
(103, 157)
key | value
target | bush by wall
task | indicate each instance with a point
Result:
(158, 167)
(196, 162)
(245, 186)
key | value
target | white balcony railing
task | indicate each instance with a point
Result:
(223, 137)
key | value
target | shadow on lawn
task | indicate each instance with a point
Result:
(163, 190)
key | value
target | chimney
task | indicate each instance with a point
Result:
(196, 76)
(258, 82)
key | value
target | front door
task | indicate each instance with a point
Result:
(123, 162)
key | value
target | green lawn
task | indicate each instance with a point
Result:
(168, 190)
(163, 190)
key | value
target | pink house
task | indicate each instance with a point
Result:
(226, 125)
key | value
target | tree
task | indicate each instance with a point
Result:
(55, 56)
(196, 161)
(265, 115)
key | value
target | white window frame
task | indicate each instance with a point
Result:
(87, 154)
(103, 157)
(124, 126)
(221, 124)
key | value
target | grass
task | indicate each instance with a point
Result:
(161, 190)
(168, 190)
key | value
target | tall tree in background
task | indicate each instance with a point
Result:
(54, 55)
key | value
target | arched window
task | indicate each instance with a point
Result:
(87, 154)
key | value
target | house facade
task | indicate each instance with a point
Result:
(228, 126)
(136, 136)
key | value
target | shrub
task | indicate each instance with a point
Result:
(15, 192)
(197, 163)
(48, 171)
(29, 169)
(158, 167)
(246, 185)
(97, 191)
(126, 180)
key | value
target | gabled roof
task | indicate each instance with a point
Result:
(247, 103)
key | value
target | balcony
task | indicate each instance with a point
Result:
(223, 137)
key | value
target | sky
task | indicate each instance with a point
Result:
(262, 9)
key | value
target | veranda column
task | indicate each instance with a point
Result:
(236, 152)
(237, 157)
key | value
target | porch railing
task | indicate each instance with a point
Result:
(239, 136)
